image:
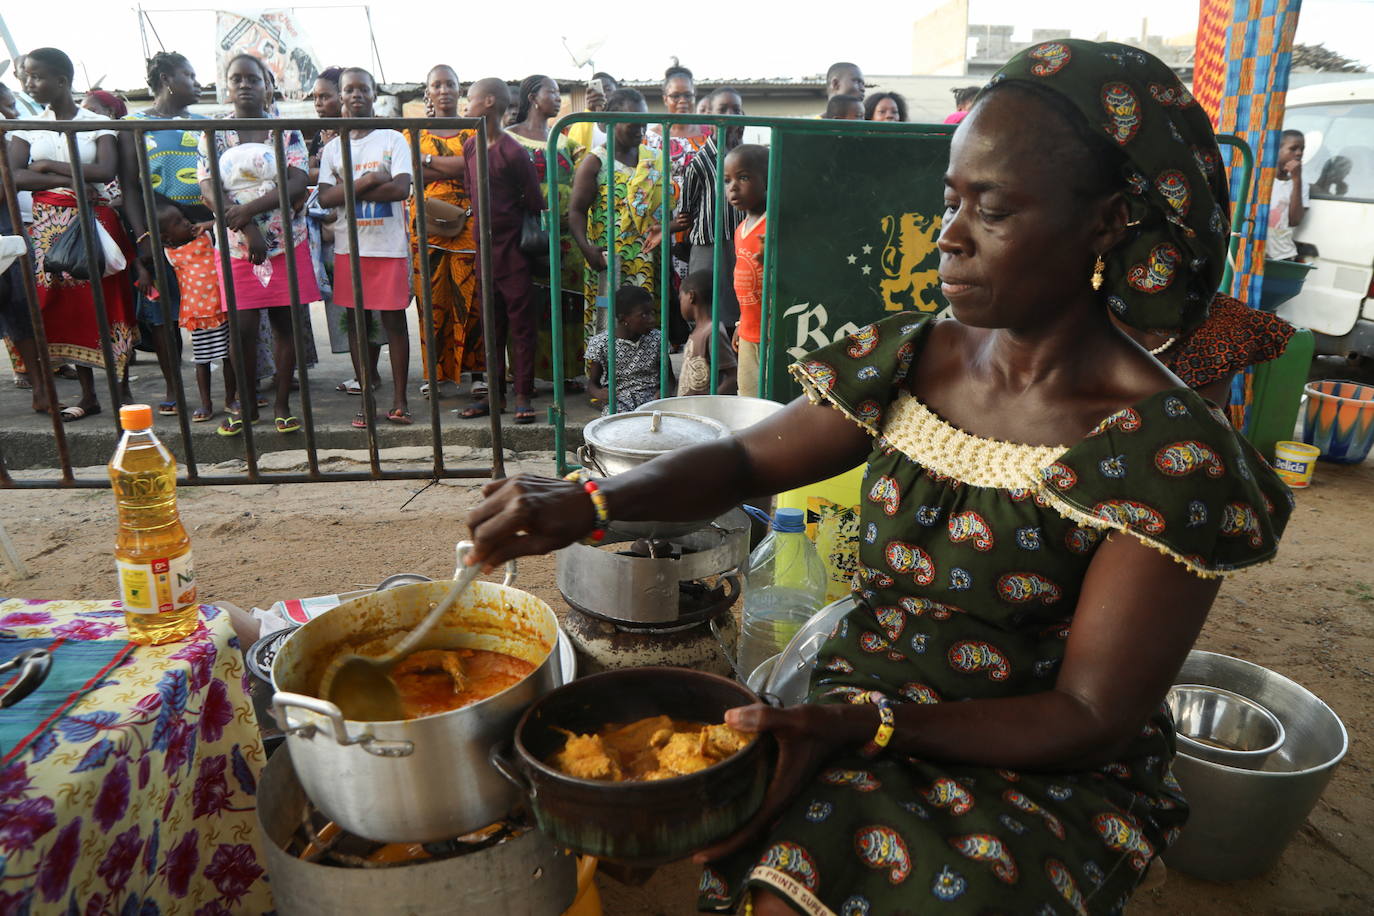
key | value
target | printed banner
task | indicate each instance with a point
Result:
(272, 36)
(856, 239)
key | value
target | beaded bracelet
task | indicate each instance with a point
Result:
(599, 505)
(887, 723)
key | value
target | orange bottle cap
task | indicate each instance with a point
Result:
(135, 417)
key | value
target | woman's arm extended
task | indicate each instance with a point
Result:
(1137, 616)
(800, 444)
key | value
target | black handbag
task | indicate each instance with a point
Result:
(68, 254)
(534, 238)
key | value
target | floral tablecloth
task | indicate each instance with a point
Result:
(139, 801)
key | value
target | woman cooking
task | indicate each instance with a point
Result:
(1046, 514)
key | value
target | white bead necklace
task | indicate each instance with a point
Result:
(1164, 346)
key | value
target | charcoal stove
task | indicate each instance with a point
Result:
(655, 601)
(317, 869)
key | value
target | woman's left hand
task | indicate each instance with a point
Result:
(236, 216)
(806, 737)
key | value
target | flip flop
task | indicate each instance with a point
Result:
(525, 415)
(167, 408)
(360, 422)
(231, 427)
(201, 414)
(74, 413)
(21, 382)
(475, 410)
(235, 410)
(288, 424)
(399, 415)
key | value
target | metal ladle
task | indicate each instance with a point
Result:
(361, 685)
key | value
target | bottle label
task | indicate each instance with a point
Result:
(157, 586)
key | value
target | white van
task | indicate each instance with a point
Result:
(1337, 299)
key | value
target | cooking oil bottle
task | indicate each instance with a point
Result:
(152, 550)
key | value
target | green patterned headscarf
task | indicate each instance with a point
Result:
(1163, 274)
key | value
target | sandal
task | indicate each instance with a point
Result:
(74, 413)
(22, 383)
(167, 408)
(201, 414)
(353, 386)
(288, 424)
(525, 415)
(231, 427)
(399, 415)
(360, 422)
(475, 410)
(233, 409)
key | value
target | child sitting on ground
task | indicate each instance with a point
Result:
(191, 252)
(746, 187)
(694, 300)
(638, 343)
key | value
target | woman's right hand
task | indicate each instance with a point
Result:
(596, 257)
(257, 247)
(527, 515)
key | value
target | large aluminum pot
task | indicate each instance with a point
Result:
(617, 443)
(424, 779)
(736, 411)
(1242, 818)
(614, 444)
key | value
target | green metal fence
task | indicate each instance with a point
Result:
(780, 129)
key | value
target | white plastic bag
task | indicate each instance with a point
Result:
(114, 258)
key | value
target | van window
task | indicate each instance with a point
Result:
(1339, 163)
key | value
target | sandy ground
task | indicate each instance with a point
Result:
(1308, 615)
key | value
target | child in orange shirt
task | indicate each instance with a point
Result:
(191, 252)
(746, 187)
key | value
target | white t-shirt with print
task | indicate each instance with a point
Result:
(1280, 244)
(382, 231)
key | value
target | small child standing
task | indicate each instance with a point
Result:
(694, 301)
(381, 183)
(638, 344)
(191, 252)
(746, 188)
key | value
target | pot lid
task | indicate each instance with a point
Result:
(651, 432)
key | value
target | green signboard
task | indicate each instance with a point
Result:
(856, 222)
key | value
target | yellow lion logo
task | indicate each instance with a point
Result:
(906, 276)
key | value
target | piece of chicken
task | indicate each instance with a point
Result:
(682, 754)
(720, 741)
(585, 757)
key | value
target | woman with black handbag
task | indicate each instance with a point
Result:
(40, 162)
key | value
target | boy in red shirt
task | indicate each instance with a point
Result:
(746, 188)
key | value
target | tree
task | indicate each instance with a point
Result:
(1319, 58)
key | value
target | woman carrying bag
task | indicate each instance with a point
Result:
(40, 161)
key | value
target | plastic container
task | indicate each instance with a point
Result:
(832, 515)
(1294, 462)
(1276, 388)
(1339, 420)
(784, 586)
(157, 580)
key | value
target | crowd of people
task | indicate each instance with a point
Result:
(267, 244)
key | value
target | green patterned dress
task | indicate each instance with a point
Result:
(972, 557)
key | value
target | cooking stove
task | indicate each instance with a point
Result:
(656, 601)
(509, 868)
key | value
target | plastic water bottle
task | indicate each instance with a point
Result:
(783, 588)
(152, 550)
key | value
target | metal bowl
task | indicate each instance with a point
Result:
(1224, 727)
(735, 411)
(1242, 818)
(786, 677)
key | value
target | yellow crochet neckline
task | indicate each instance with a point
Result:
(920, 434)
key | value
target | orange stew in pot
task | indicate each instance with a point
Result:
(440, 680)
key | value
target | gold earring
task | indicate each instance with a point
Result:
(1098, 267)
